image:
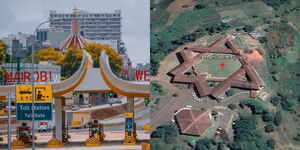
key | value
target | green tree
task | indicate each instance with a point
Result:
(95, 50)
(176, 147)
(2, 52)
(289, 104)
(270, 127)
(49, 54)
(277, 118)
(246, 135)
(230, 92)
(271, 143)
(248, 28)
(159, 133)
(204, 144)
(70, 62)
(256, 106)
(267, 117)
(275, 100)
(232, 106)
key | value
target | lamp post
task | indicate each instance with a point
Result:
(32, 79)
(10, 97)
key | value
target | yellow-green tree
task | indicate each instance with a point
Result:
(95, 49)
(70, 62)
(2, 58)
(49, 54)
(2, 52)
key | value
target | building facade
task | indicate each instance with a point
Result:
(42, 35)
(93, 26)
(17, 44)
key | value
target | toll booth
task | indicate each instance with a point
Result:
(23, 138)
(96, 134)
(24, 134)
(130, 130)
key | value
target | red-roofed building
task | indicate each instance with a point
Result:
(192, 121)
(74, 39)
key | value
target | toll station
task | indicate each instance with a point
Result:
(85, 80)
(110, 82)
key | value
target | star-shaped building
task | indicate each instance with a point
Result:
(192, 55)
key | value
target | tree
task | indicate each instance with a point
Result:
(95, 51)
(271, 143)
(204, 144)
(200, 6)
(70, 62)
(267, 117)
(256, 106)
(2, 52)
(248, 28)
(49, 54)
(232, 106)
(176, 147)
(270, 127)
(171, 130)
(221, 146)
(159, 133)
(246, 135)
(230, 92)
(275, 100)
(263, 39)
(288, 104)
(170, 140)
(277, 118)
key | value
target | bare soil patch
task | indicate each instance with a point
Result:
(177, 7)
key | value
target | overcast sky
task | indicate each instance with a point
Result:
(25, 15)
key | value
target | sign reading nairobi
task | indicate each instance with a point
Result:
(25, 76)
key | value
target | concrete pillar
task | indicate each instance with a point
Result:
(130, 105)
(60, 117)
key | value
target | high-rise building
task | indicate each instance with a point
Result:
(17, 44)
(42, 35)
(93, 26)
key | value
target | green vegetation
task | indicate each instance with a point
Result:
(211, 65)
(247, 136)
(164, 138)
(95, 50)
(256, 106)
(2, 58)
(278, 23)
(70, 62)
(156, 91)
(232, 106)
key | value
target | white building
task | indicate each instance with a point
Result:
(93, 26)
(18, 41)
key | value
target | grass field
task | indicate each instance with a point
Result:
(212, 66)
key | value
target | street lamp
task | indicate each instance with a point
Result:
(10, 97)
(32, 78)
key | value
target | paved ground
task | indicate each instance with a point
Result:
(115, 147)
(82, 136)
(80, 146)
